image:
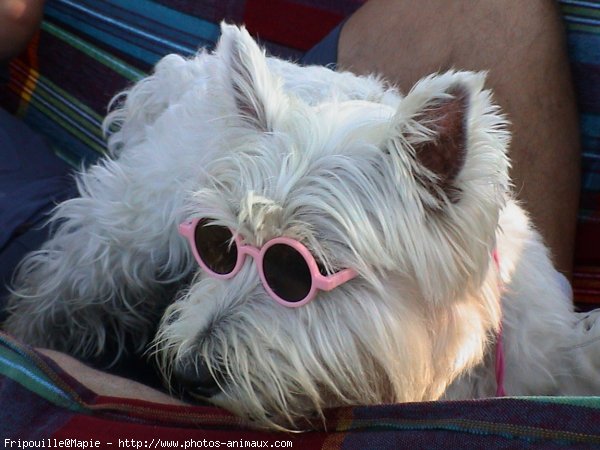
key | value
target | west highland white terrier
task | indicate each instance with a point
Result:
(286, 239)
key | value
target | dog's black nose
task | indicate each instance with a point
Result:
(197, 378)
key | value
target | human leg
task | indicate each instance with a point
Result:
(521, 45)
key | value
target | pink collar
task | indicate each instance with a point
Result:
(500, 365)
(499, 347)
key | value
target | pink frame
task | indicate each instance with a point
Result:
(319, 281)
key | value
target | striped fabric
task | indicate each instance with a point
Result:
(582, 19)
(88, 50)
(40, 401)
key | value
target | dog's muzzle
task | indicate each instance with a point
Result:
(197, 379)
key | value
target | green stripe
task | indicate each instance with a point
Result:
(583, 28)
(69, 98)
(41, 88)
(35, 103)
(588, 402)
(104, 58)
(505, 430)
(580, 11)
(71, 158)
(28, 375)
(93, 128)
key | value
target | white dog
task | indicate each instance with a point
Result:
(342, 244)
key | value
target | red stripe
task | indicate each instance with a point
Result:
(587, 77)
(586, 284)
(114, 431)
(28, 59)
(287, 23)
(591, 200)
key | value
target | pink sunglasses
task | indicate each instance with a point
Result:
(288, 271)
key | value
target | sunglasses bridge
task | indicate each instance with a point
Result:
(318, 281)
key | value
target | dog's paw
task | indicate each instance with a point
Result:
(588, 328)
(587, 337)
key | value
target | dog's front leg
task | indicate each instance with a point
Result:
(109, 269)
(549, 348)
(582, 376)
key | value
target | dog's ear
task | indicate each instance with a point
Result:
(443, 150)
(447, 156)
(443, 123)
(257, 93)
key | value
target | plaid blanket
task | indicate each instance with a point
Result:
(44, 404)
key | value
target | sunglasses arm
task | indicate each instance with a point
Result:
(330, 282)
(186, 229)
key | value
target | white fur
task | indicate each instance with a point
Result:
(269, 148)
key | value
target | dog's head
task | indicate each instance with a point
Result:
(406, 193)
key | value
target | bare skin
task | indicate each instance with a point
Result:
(19, 20)
(522, 46)
(108, 385)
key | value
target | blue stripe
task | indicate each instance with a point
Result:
(149, 30)
(584, 47)
(580, 3)
(195, 26)
(169, 31)
(95, 122)
(590, 180)
(139, 41)
(119, 25)
(72, 148)
(144, 20)
(590, 124)
(58, 114)
(593, 145)
(116, 65)
(34, 377)
(134, 46)
(126, 46)
(582, 20)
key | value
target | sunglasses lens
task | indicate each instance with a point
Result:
(215, 247)
(287, 273)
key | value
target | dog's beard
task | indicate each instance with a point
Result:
(282, 367)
